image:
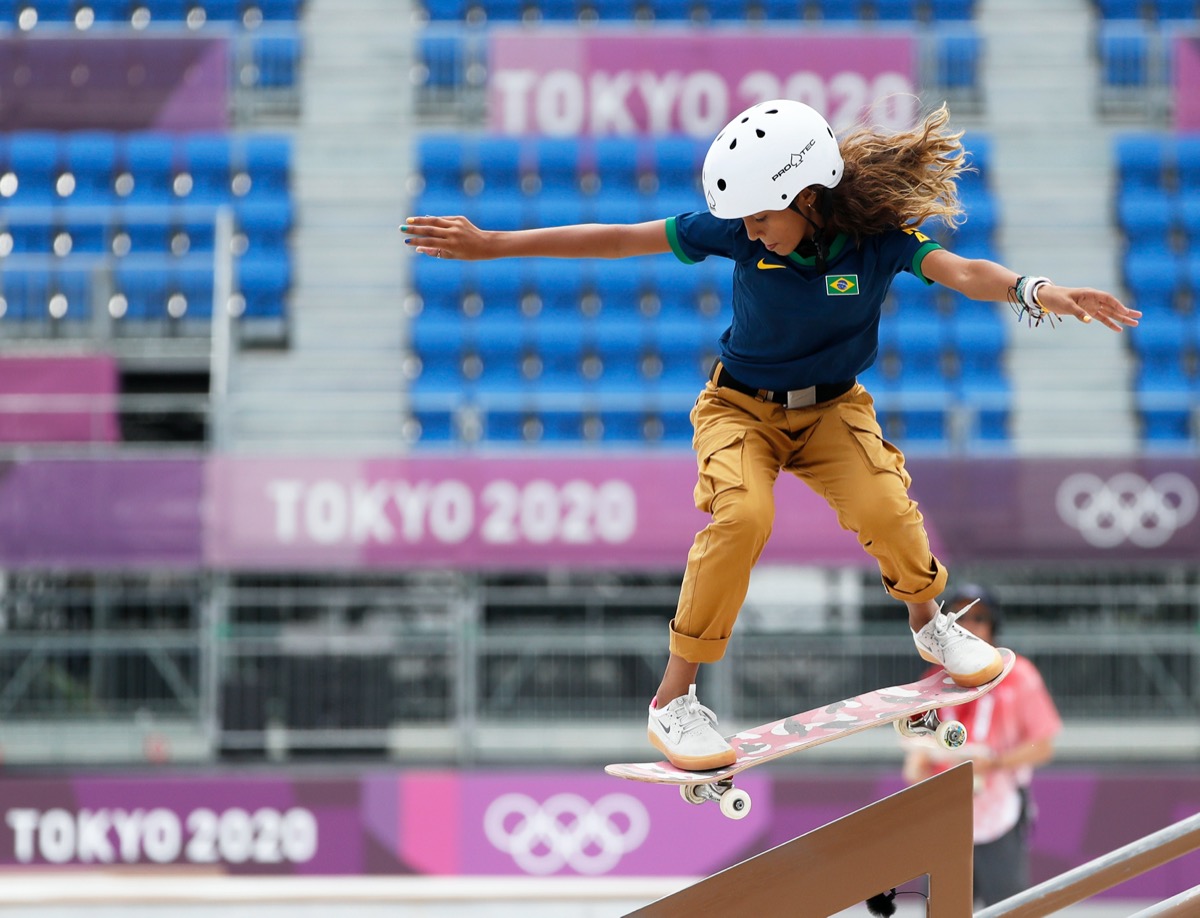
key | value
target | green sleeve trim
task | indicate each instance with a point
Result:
(920, 257)
(673, 239)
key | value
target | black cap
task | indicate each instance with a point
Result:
(969, 592)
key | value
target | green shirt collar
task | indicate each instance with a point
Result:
(839, 243)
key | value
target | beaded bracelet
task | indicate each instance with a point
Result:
(1022, 297)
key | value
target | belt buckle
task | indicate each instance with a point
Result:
(802, 398)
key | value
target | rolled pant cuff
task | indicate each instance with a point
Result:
(933, 591)
(697, 650)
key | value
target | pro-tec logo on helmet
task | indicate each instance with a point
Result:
(796, 160)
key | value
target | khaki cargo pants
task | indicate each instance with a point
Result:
(838, 450)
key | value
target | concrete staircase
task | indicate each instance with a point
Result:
(339, 385)
(1053, 179)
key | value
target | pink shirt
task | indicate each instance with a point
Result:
(1017, 712)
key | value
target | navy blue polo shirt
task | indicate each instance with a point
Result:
(793, 326)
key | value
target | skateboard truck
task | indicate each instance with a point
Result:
(734, 803)
(950, 734)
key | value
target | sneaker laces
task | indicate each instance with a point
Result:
(946, 627)
(693, 714)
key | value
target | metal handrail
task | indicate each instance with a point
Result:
(1103, 873)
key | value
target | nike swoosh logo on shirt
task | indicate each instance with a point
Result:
(763, 265)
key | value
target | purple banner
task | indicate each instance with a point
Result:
(120, 84)
(101, 513)
(569, 82)
(538, 511)
(521, 513)
(1187, 79)
(527, 823)
(58, 399)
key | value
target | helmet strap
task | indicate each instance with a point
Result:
(816, 247)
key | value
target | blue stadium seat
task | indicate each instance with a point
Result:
(34, 158)
(264, 281)
(1146, 215)
(91, 158)
(55, 11)
(90, 228)
(1125, 58)
(500, 164)
(551, 208)
(500, 284)
(839, 10)
(220, 10)
(207, 159)
(676, 164)
(616, 162)
(559, 283)
(1184, 10)
(26, 289)
(782, 10)
(443, 162)
(951, 10)
(1120, 9)
(559, 342)
(619, 289)
(30, 230)
(166, 10)
(192, 279)
(621, 348)
(148, 158)
(1189, 217)
(277, 10)
(726, 10)
(148, 229)
(145, 284)
(558, 163)
(71, 290)
(1141, 160)
(266, 159)
(276, 60)
(265, 223)
(443, 57)
(1154, 279)
(1187, 163)
(895, 10)
(504, 345)
(958, 58)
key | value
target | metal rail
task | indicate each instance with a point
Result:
(1105, 872)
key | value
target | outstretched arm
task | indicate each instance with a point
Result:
(980, 279)
(457, 237)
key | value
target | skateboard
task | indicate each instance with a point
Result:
(911, 708)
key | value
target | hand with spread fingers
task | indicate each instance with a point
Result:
(446, 237)
(1085, 304)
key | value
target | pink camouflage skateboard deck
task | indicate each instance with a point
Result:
(910, 707)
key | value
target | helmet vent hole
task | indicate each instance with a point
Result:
(733, 143)
(744, 120)
(721, 184)
(773, 111)
(760, 132)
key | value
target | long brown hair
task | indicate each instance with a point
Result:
(895, 180)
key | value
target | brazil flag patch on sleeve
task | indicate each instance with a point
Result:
(841, 284)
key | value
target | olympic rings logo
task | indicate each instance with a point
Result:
(566, 831)
(1127, 507)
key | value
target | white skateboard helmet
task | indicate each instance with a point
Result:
(766, 156)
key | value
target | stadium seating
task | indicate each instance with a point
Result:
(132, 217)
(1157, 208)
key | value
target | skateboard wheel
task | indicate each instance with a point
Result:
(905, 728)
(691, 793)
(952, 734)
(735, 804)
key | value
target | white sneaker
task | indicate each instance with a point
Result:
(969, 660)
(685, 732)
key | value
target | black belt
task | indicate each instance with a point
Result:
(793, 398)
